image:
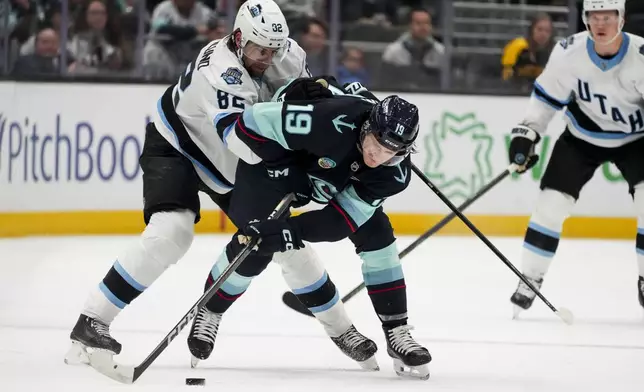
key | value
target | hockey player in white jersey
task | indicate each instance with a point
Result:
(184, 154)
(598, 77)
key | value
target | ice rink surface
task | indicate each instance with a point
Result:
(458, 294)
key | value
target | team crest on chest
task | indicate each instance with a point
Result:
(355, 166)
(326, 163)
(232, 75)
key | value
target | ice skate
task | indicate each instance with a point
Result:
(410, 358)
(359, 348)
(640, 291)
(202, 335)
(523, 297)
(90, 337)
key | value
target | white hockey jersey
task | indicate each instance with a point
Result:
(604, 98)
(195, 114)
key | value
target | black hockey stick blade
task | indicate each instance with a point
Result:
(291, 300)
(564, 314)
(128, 374)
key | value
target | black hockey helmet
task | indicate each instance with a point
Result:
(394, 123)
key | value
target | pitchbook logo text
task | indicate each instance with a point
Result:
(64, 151)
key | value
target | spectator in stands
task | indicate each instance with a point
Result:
(313, 39)
(46, 56)
(51, 20)
(417, 50)
(179, 28)
(524, 57)
(352, 68)
(95, 41)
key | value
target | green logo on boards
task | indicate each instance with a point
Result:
(468, 166)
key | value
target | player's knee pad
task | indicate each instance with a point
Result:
(252, 265)
(165, 240)
(544, 230)
(374, 234)
(552, 209)
(300, 268)
(168, 236)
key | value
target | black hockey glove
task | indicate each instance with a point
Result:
(522, 147)
(276, 236)
(305, 89)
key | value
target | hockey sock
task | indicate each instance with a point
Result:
(638, 198)
(238, 281)
(164, 241)
(385, 282)
(309, 281)
(543, 233)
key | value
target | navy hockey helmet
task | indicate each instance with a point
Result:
(394, 123)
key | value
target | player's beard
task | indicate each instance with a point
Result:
(255, 68)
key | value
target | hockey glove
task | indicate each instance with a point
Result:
(305, 89)
(522, 147)
(276, 236)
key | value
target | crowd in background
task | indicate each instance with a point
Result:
(386, 44)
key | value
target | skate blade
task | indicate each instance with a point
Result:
(103, 362)
(420, 372)
(370, 364)
(77, 354)
(516, 311)
(194, 361)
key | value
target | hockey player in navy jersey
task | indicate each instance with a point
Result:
(184, 154)
(598, 77)
(351, 155)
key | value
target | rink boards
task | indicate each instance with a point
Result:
(69, 165)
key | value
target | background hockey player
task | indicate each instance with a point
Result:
(355, 155)
(184, 154)
(599, 76)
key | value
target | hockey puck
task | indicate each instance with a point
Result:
(196, 381)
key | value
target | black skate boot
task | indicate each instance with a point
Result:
(358, 347)
(640, 290)
(407, 353)
(202, 335)
(523, 297)
(93, 334)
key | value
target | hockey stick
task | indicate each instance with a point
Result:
(291, 300)
(563, 313)
(129, 374)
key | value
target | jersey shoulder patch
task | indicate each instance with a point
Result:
(232, 75)
(574, 41)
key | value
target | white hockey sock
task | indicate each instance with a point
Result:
(307, 278)
(638, 198)
(164, 241)
(544, 231)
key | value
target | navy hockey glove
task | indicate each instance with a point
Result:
(305, 89)
(276, 236)
(522, 147)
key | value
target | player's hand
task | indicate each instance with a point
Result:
(276, 235)
(522, 145)
(305, 89)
